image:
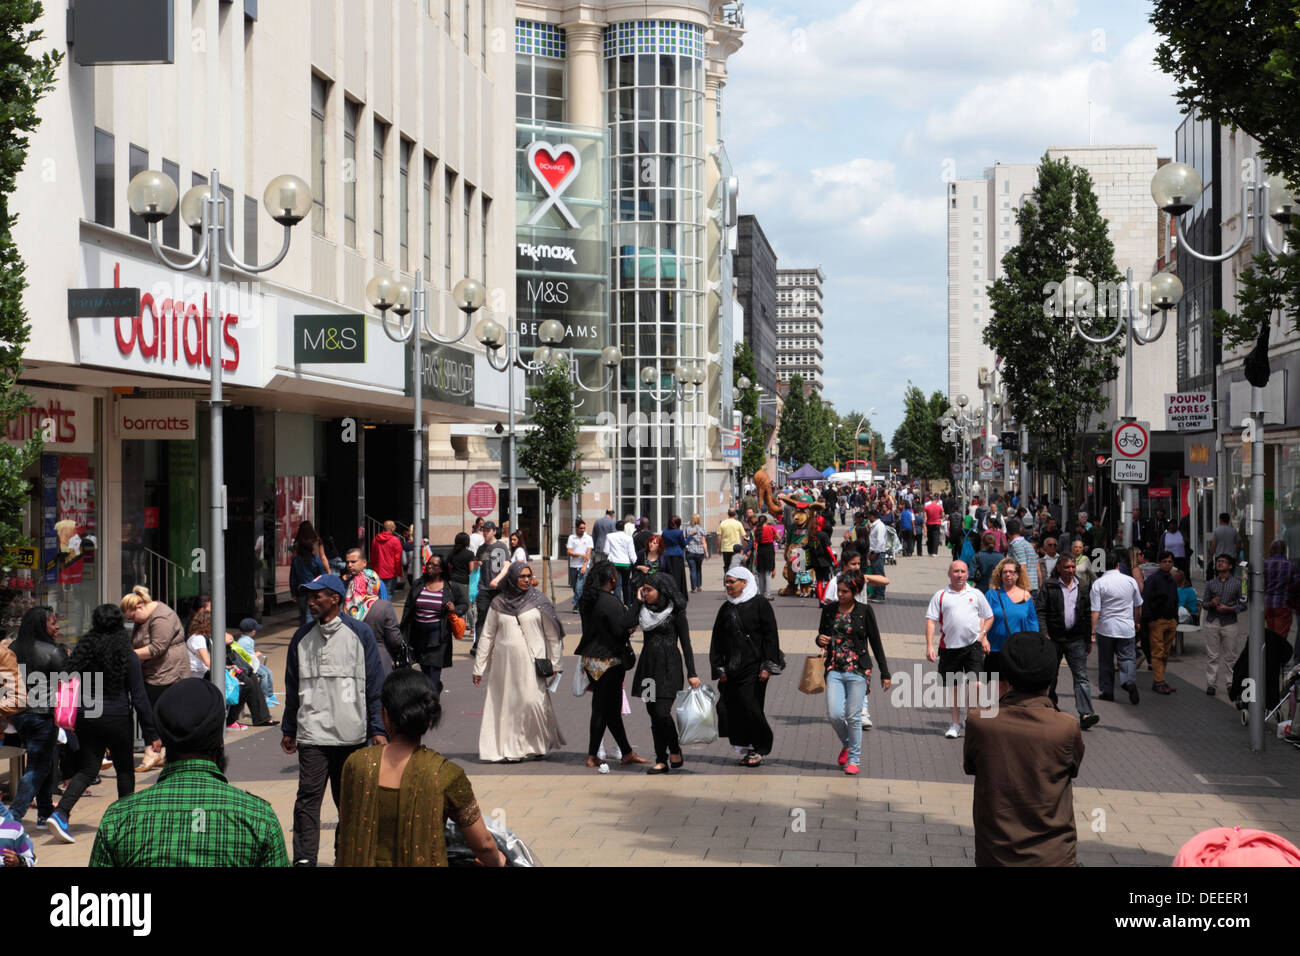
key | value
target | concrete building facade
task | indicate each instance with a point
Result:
(408, 156)
(799, 326)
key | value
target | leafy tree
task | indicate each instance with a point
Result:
(1055, 379)
(821, 441)
(1237, 63)
(24, 79)
(794, 441)
(753, 446)
(549, 452)
(919, 438)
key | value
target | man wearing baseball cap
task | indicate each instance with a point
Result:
(332, 679)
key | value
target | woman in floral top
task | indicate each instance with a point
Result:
(849, 636)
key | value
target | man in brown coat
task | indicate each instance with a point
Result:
(1024, 756)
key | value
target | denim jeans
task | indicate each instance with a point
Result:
(1110, 650)
(695, 560)
(845, 693)
(40, 740)
(577, 579)
(878, 567)
(266, 677)
(1075, 654)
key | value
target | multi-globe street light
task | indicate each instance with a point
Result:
(152, 196)
(1080, 300)
(550, 333)
(1176, 188)
(959, 427)
(385, 294)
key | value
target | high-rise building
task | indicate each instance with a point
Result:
(756, 293)
(639, 96)
(799, 325)
(981, 228)
(1121, 180)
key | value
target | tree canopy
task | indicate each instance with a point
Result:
(1054, 378)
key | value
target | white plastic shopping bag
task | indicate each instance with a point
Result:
(695, 713)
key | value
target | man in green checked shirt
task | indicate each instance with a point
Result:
(191, 816)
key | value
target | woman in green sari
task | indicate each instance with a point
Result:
(396, 798)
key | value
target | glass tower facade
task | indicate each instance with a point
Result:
(654, 100)
(654, 93)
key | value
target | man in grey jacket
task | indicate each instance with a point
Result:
(332, 680)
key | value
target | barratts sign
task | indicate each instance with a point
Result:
(1189, 411)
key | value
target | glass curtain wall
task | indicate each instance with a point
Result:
(654, 89)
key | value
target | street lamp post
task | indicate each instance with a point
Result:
(685, 383)
(1163, 292)
(385, 294)
(857, 430)
(959, 428)
(1176, 188)
(152, 196)
(496, 339)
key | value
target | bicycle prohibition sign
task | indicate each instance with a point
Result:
(1131, 440)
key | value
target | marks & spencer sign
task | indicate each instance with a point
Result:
(329, 338)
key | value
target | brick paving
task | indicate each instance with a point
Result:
(1137, 798)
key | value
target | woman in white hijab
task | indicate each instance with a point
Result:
(744, 653)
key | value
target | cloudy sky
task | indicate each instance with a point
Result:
(844, 120)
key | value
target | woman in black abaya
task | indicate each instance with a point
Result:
(744, 653)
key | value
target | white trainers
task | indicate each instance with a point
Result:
(866, 722)
(953, 731)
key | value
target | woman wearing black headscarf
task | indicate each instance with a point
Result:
(660, 612)
(604, 654)
(519, 650)
(744, 652)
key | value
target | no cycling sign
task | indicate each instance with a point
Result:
(1131, 452)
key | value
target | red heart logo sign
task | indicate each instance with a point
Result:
(554, 169)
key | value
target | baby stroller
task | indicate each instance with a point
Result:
(1277, 651)
(893, 546)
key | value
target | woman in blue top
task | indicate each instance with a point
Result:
(1013, 609)
(674, 559)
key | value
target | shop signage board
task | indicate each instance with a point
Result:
(1160, 492)
(731, 446)
(169, 333)
(66, 420)
(168, 419)
(102, 303)
(1189, 411)
(448, 374)
(481, 499)
(1131, 452)
(326, 339)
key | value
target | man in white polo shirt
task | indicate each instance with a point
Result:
(963, 617)
(1116, 616)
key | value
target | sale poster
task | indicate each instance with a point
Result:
(75, 527)
(295, 502)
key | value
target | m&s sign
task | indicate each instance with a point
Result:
(321, 339)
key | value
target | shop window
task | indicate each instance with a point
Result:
(381, 140)
(138, 159)
(351, 120)
(103, 178)
(319, 95)
(171, 226)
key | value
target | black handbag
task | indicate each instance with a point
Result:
(628, 657)
(544, 667)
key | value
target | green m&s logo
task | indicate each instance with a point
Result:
(329, 338)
